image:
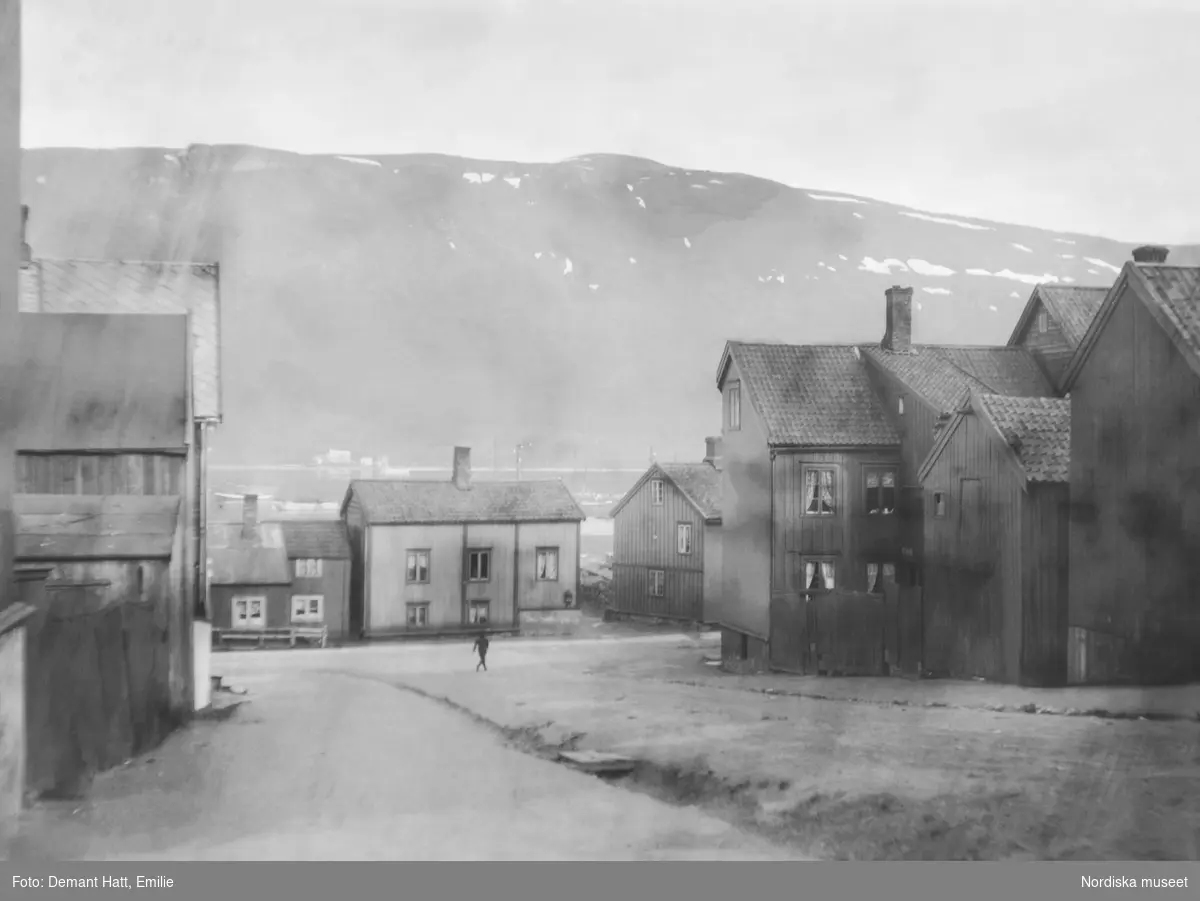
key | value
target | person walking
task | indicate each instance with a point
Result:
(481, 644)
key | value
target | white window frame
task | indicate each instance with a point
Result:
(481, 553)
(247, 602)
(412, 565)
(683, 538)
(308, 616)
(657, 492)
(309, 568)
(658, 580)
(475, 606)
(537, 564)
(900, 405)
(734, 422)
(879, 471)
(419, 606)
(835, 476)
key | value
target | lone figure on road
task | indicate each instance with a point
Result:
(481, 643)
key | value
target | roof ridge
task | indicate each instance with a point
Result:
(123, 262)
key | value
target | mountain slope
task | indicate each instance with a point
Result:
(399, 304)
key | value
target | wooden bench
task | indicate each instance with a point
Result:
(317, 635)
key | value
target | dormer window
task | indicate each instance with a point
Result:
(1043, 321)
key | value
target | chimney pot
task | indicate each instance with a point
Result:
(462, 468)
(26, 250)
(898, 334)
(249, 515)
(1150, 253)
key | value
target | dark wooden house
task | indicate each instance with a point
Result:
(250, 585)
(667, 541)
(996, 535)
(120, 544)
(1134, 385)
(440, 557)
(1053, 323)
(319, 554)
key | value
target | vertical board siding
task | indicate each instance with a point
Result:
(332, 585)
(1050, 348)
(972, 565)
(389, 594)
(1135, 524)
(498, 590)
(712, 573)
(356, 530)
(533, 594)
(745, 595)
(1044, 652)
(645, 538)
(278, 610)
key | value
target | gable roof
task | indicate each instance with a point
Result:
(699, 483)
(413, 501)
(1172, 296)
(94, 527)
(259, 560)
(1072, 307)
(811, 395)
(315, 539)
(1035, 432)
(944, 376)
(112, 286)
(101, 382)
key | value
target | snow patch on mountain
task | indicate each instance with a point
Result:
(513, 180)
(1064, 241)
(923, 267)
(936, 290)
(1023, 247)
(882, 267)
(1102, 264)
(857, 215)
(1067, 256)
(359, 160)
(569, 267)
(641, 202)
(940, 220)
(687, 243)
(833, 198)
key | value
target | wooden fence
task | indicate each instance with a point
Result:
(97, 690)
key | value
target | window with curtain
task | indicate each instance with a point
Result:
(881, 491)
(879, 575)
(819, 575)
(818, 491)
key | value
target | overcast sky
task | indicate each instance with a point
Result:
(1077, 116)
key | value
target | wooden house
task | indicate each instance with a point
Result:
(319, 556)
(1053, 324)
(822, 445)
(996, 513)
(1134, 384)
(250, 585)
(667, 541)
(432, 557)
(124, 543)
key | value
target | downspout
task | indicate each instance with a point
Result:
(199, 517)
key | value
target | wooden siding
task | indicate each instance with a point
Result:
(334, 586)
(498, 589)
(388, 594)
(1050, 348)
(1135, 529)
(121, 577)
(742, 653)
(1045, 552)
(850, 537)
(533, 594)
(972, 562)
(356, 530)
(645, 538)
(279, 601)
(712, 572)
(744, 601)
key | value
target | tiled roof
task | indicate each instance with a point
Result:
(99, 286)
(1072, 307)
(1038, 429)
(813, 395)
(1176, 292)
(316, 539)
(945, 375)
(396, 501)
(700, 482)
(95, 527)
(234, 560)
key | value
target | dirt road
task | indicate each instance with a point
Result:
(329, 765)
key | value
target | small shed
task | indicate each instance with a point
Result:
(125, 541)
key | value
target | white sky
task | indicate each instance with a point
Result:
(1068, 115)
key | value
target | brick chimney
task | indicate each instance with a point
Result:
(712, 452)
(1151, 253)
(26, 250)
(898, 336)
(249, 516)
(462, 468)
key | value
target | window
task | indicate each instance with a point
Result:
(900, 405)
(480, 612)
(881, 491)
(418, 567)
(308, 608)
(658, 583)
(939, 504)
(818, 491)
(418, 615)
(479, 566)
(249, 612)
(547, 564)
(1043, 321)
(819, 575)
(880, 574)
(308, 569)
(683, 538)
(735, 406)
(656, 492)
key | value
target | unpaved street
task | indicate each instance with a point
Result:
(326, 765)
